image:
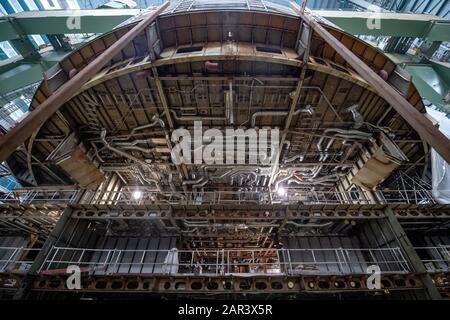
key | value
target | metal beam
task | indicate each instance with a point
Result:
(392, 24)
(24, 129)
(21, 76)
(226, 284)
(417, 120)
(55, 22)
(412, 254)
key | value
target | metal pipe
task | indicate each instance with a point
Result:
(200, 185)
(310, 225)
(346, 134)
(249, 175)
(277, 113)
(133, 143)
(34, 120)
(292, 159)
(277, 184)
(139, 149)
(156, 120)
(229, 103)
(173, 188)
(308, 172)
(330, 178)
(405, 109)
(199, 180)
(122, 153)
(196, 118)
(156, 182)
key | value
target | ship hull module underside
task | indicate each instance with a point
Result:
(341, 190)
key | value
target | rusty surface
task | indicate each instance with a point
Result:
(229, 284)
(82, 170)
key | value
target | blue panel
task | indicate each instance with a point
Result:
(7, 6)
(39, 5)
(9, 183)
(3, 55)
(23, 5)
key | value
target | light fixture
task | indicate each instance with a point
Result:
(281, 191)
(137, 194)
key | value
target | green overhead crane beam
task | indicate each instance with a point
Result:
(62, 22)
(432, 81)
(23, 72)
(391, 24)
(103, 20)
(7, 31)
(19, 74)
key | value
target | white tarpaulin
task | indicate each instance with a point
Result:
(439, 167)
(170, 265)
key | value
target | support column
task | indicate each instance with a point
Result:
(412, 255)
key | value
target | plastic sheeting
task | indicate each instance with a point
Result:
(171, 262)
(439, 167)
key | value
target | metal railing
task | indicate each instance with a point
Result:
(413, 196)
(225, 262)
(66, 196)
(36, 195)
(435, 258)
(17, 259)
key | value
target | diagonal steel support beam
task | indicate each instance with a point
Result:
(18, 135)
(415, 119)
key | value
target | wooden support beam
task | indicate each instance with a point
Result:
(24, 129)
(415, 119)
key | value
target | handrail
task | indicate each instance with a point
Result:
(67, 196)
(284, 261)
